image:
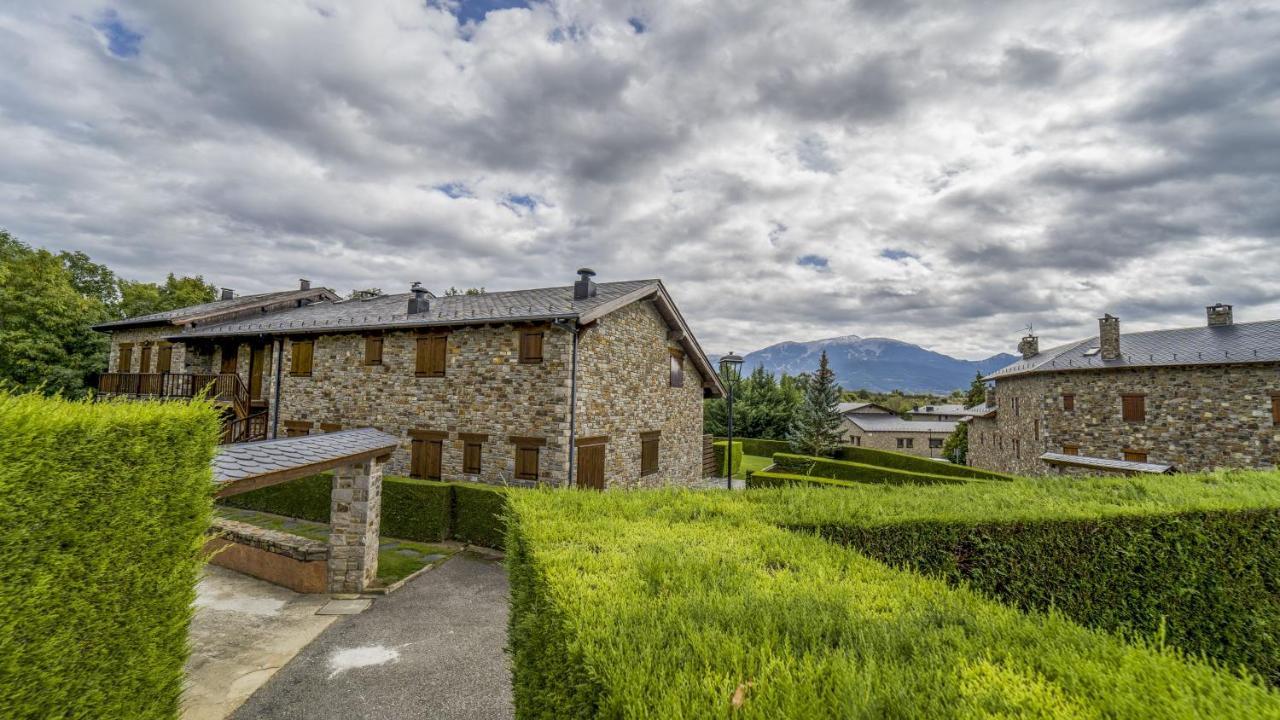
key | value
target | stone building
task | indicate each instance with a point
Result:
(594, 385)
(1187, 399)
(875, 426)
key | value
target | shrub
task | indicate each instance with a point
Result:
(856, 472)
(761, 447)
(103, 508)
(416, 509)
(680, 604)
(306, 498)
(721, 463)
(912, 463)
(479, 514)
(768, 479)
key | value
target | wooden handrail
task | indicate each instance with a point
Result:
(245, 429)
(225, 387)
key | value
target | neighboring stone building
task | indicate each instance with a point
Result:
(1189, 399)
(875, 426)
(942, 413)
(589, 385)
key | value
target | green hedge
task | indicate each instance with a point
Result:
(913, 463)
(767, 479)
(761, 447)
(857, 472)
(103, 509)
(412, 509)
(683, 604)
(718, 448)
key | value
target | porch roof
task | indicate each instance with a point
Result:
(1106, 464)
(241, 467)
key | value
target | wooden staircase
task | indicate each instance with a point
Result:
(241, 424)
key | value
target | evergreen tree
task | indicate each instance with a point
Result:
(816, 429)
(977, 391)
(956, 448)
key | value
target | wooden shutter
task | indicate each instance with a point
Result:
(124, 363)
(649, 452)
(526, 462)
(1036, 430)
(297, 428)
(330, 427)
(531, 346)
(1275, 408)
(432, 352)
(1135, 455)
(373, 350)
(1133, 408)
(1017, 448)
(164, 358)
(144, 363)
(300, 359)
(229, 353)
(1068, 402)
(677, 369)
(1070, 449)
(471, 457)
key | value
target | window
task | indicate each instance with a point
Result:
(1275, 408)
(527, 456)
(164, 358)
(472, 445)
(297, 428)
(426, 452)
(857, 440)
(373, 350)
(1017, 447)
(677, 369)
(649, 452)
(431, 357)
(144, 360)
(530, 346)
(1015, 407)
(906, 443)
(1069, 402)
(935, 443)
(1135, 455)
(1070, 449)
(124, 363)
(1036, 429)
(330, 427)
(300, 357)
(1133, 408)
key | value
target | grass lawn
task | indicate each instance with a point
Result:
(751, 463)
(397, 558)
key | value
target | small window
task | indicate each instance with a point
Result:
(857, 440)
(935, 443)
(1036, 428)
(300, 357)
(330, 427)
(431, 356)
(144, 360)
(1070, 449)
(297, 428)
(527, 456)
(677, 369)
(906, 443)
(373, 350)
(530, 346)
(164, 357)
(471, 457)
(1133, 408)
(124, 363)
(649, 452)
(1015, 407)
(1017, 448)
(1135, 455)
(1069, 402)
(1275, 408)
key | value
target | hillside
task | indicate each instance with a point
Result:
(879, 364)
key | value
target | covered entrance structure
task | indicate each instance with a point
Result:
(356, 458)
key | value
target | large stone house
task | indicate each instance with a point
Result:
(594, 385)
(1187, 399)
(869, 425)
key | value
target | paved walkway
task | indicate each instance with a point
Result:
(433, 649)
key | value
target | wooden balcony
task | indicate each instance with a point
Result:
(220, 387)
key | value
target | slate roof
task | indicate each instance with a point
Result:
(1126, 466)
(893, 423)
(391, 311)
(857, 407)
(241, 461)
(175, 317)
(1255, 342)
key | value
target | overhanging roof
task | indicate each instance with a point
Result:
(241, 467)
(217, 308)
(1106, 464)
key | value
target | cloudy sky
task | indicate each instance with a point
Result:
(941, 173)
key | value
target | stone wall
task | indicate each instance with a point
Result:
(624, 390)
(888, 440)
(485, 390)
(139, 337)
(1197, 418)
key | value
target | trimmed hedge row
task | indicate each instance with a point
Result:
(103, 509)
(857, 472)
(913, 463)
(412, 509)
(761, 447)
(681, 604)
(769, 479)
(719, 448)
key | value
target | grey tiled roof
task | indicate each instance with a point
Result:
(241, 461)
(893, 423)
(858, 407)
(1105, 463)
(174, 317)
(391, 311)
(1228, 344)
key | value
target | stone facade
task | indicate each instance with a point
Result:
(138, 338)
(1198, 418)
(355, 517)
(924, 443)
(624, 389)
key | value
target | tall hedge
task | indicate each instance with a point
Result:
(103, 507)
(878, 458)
(721, 462)
(858, 472)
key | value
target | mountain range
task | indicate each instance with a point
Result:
(877, 364)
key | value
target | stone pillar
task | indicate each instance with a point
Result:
(355, 514)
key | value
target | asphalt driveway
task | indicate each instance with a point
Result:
(433, 649)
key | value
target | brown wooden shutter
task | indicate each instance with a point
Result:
(1133, 408)
(590, 473)
(432, 352)
(1036, 434)
(1070, 449)
(144, 363)
(124, 363)
(300, 359)
(1135, 455)
(526, 462)
(229, 355)
(649, 452)
(1275, 408)
(373, 350)
(677, 369)
(471, 457)
(1068, 402)
(297, 428)
(531, 346)
(435, 454)
(164, 358)
(330, 427)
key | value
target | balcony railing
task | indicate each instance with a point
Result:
(245, 429)
(222, 387)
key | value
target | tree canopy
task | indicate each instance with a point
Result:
(816, 429)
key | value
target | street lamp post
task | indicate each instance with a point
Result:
(729, 363)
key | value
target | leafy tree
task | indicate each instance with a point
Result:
(816, 429)
(358, 294)
(143, 298)
(977, 391)
(956, 448)
(453, 291)
(90, 278)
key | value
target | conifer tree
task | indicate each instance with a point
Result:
(816, 429)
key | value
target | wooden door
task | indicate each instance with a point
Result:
(591, 466)
(229, 353)
(144, 364)
(257, 357)
(425, 458)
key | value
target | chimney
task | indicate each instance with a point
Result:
(228, 294)
(418, 303)
(304, 284)
(1029, 347)
(584, 288)
(1219, 315)
(990, 398)
(1109, 337)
